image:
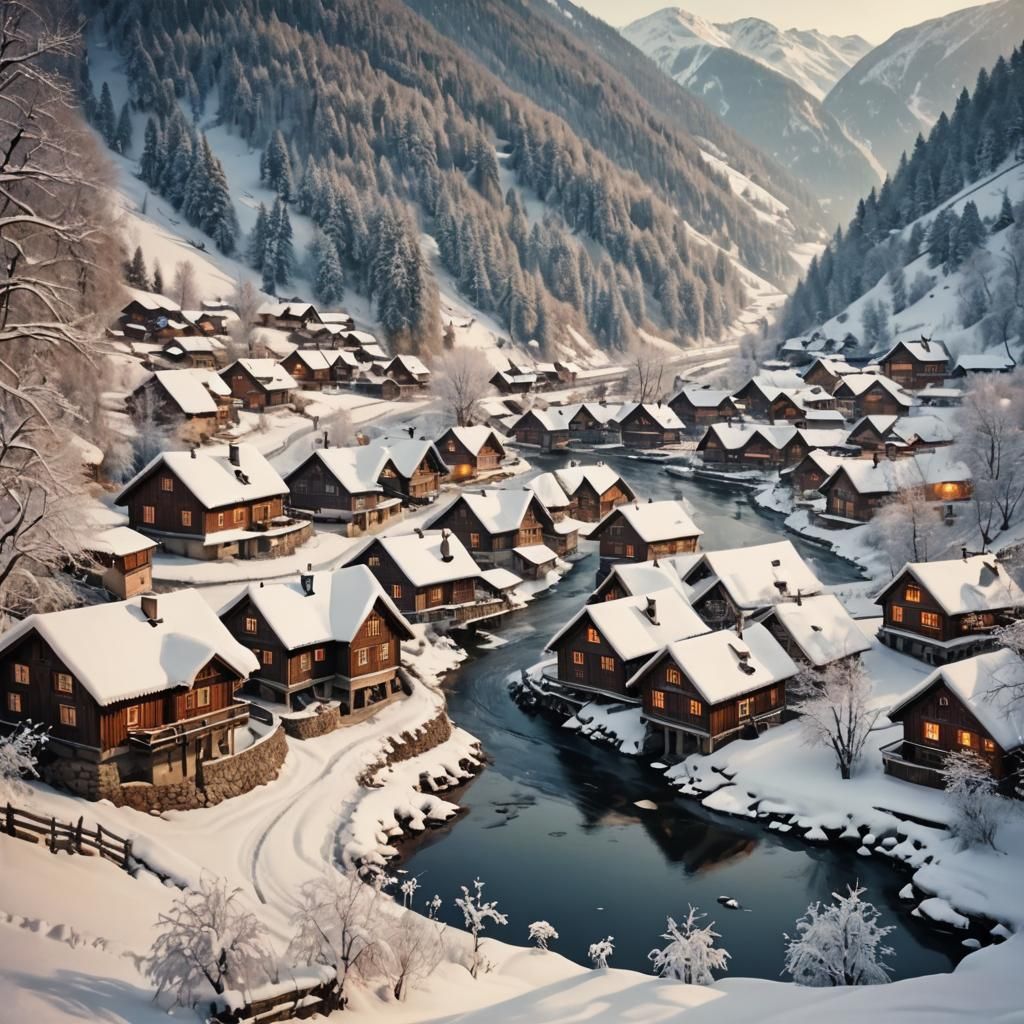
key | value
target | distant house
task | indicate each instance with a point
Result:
(946, 610)
(547, 429)
(636, 532)
(470, 451)
(911, 434)
(826, 373)
(514, 383)
(414, 468)
(974, 363)
(634, 579)
(287, 316)
(752, 446)
(593, 491)
(148, 309)
(567, 373)
(707, 689)
(408, 371)
(333, 635)
(198, 353)
(141, 690)
(940, 397)
(314, 368)
(916, 364)
(592, 422)
(966, 706)
(648, 425)
(697, 406)
(123, 558)
(533, 561)
(810, 472)
(194, 404)
(605, 644)
(259, 383)
(872, 434)
(225, 502)
(755, 399)
(870, 394)
(816, 631)
(805, 407)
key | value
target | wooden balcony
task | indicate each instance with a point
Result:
(153, 741)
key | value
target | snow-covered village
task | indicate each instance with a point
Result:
(511, 511)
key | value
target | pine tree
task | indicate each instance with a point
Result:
(158, 279)
(151, 162)
(284, 252)
(970, 233)
(898, 287)
(135, 272)
(328, 277)
(106, 121)
(277, 167)
(1005, 218)
(257, 247)
(123, 132)
(218, 217)
(940, 238)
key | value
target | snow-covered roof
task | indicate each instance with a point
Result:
(200, 344)
(89, 453)
(270, 374)
(474, 438)
(371, 348)
(985, 684)
(190, 390)
(335, 317)
(822, 437)
(320, 359)
(119, 541)
(517, 378)
(822, 628)
(213, 479)
(705, 397)
(286, 309)
(926, 429)
(553, 418)
(881, 424)
(549, 491)
(406, 453)
(825, 462)
(500, 579)
(761, 574)
(117, 654)
(637, 578)
(858, 383)
(923, 350)
(356, 467)
(335, 610)
(836, 365)
(655, 521)
(153, 301)
(421, 559)
(983, 362)
(978, 583)
(723, 665)
(628, 627)
(602, 412)
(661, 413)
(889, 476)
(600, 476)
(411, 364)
(498, 510)
(535, 554)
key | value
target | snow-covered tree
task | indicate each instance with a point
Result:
(123, 131)
(601, 952)
(151, 435)
(185, 283)
(906, 529)
(875, 321)
(974, 796)
(413, 952)
(1006, 217)
(152, 159)
(541, 933)
(19, 754)
(336, 924)
(836, 710)
(690, 954)
(208, 935)
(325, 271)
(136, 273)
(106, 119)
(646, 373)
(462, 378)
(476, 912)
(158, 278)
(840, 944)
(408, 890)
(280, 229)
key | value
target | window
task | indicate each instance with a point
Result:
(305, 661)
(436, 595)
(696, 708)
(267, 658)
(319, 654)
(149, 514)
(131, 716)
(988, 746)
(930, 620)
(239, 515)
(931, 731)
(220, 518)
(773, 696)
(203, 697)
(251, 625)
(68, 715)
(166, 483)
(374, 561)
(913, 594)
(658, 699)
(385, 652)
(897, 613)
(373, 627)
(363, 657)
(186, 517)
(396, 589)
(14, 702)
(577, 657)
(673, 676)
(743, 707)
(330, 487)
(943, 702)
(629, 551)
(63, 682)
(21, 674)
(593, 637)
(607, 664)
(474, 540)
(964, 738)
(450, 446)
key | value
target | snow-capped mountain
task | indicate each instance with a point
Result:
(766, 107)
(901, 87)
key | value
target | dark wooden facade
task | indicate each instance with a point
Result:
(309, 379)
(314, 487)
(842, 498)
(464, 464)
(875, 400)
(806, 475)
(701, 415)
(640, 429)
(590, 507)
(531, 429)
(251, 391)
(916, 371)
(151, 397)
(620, 542)
(587, 661)
(484, 544)
(753, 401)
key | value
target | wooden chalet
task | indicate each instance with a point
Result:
(259, 383)
(754, 399)
(591, 422)
(975, 363)
(146, 308)
(648, 425)
(225, 502)
(202, 353)
(810, 472)
(593, 490)
(470, 451)
(509, 383)
(144, 689)
(806, 407)
(698, 406)
(965, 706)
(533, 561)
(194, 405)
(547, 429)
(705, 690)
(314, 368)
(873, 435)
(605, 644)
(414, 469)
(826, 373)
(870, 394)
(636, 532)
(946, 610)
(330, 635)
(916, 364)
(774, 447)
(634, 579)
(408, 371)
(287, 316)
(122, 561)
(816, 631)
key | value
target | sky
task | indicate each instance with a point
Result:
(875, 20)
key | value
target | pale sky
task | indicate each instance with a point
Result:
(875, 20)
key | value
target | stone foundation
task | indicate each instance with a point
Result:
(430, 734)
(311, 726)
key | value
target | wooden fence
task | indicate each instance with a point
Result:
(61, 836)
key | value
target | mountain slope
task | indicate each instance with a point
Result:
(900, 88)
(765, 107)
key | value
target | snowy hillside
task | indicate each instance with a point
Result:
(901, 87)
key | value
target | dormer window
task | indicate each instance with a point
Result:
(166, 483)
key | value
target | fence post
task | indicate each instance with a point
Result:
(53, 835)
(10, 819)
(78, 835)
(99, 838)
(127, 853)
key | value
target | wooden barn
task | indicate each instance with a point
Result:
(122, 561)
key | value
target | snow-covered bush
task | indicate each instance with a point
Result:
(690, 954)
(971, 790)
(476, 913)
(208, 935)
(19, 752)
(601, 952)
(413, 951)
(840, 944)
(541, 933)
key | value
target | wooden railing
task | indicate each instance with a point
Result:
(155, 740)
(61, 836)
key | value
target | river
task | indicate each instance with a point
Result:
(552, 826)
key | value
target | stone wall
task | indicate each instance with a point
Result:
(430, 734)
(311, 726)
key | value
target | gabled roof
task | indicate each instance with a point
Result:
(926, 429)
(179, 346)
(335, 317)
(497, 510)
(549, 491)
(406, 453)
(338, 606)
(601, 477)
(880, 424)
(190, 390)
(270, 375)
(978, 583)
(924, 350)
(421, 559)
(723, 666)
(211, 477)
(762, 574)
(535, 554)
(857, 383)
(119, 541)
(116, 654)
(660, 412)
(981, 362)
(600, 411)
(516, 378)
(984, 685)
(153, 301)
(289, 309)
(356, 467)
(473, 439)
(638, 578)
(411, 364)
(836, 365)
(553, 418)
(318, 358)
(654, 521)
(888, 476)
(705, 397)
(626, 625)
(825, 462)
(822, 628)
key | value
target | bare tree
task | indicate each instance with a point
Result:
(646, 380)
(246, 300)
(462, 377)
(476, 913)
(906, 529)
(185, 283)
(19, 752)
(414, 950)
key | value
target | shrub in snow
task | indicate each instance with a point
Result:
(971, 790)
(18, 760)
(601, 952)
(690, 955)
(541, 933)
(208, 935)
(335, 925)
(408, 890)
(476, 913)
(840, 944)
(413, 951)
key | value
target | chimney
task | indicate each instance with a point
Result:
(446, 548)
(151, 608)
(652, 610)
(963, 551)
(799, 598)
(233, 455)
(192, 451)
(874, 459)
(306, 579)
(419, 532)
(739, 625)
(327, 440)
